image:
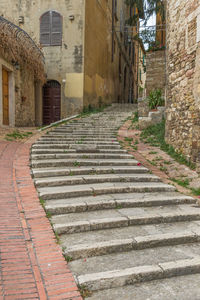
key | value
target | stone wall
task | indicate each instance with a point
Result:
(155, 71)
(183, 73)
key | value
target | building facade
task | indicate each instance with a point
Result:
(87, 51)
(21, 77)
(183, 76)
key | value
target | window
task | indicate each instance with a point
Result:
(51, 29)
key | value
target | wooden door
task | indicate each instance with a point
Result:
(5, 96)
(51, 102)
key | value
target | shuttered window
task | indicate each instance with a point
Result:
(51, 29)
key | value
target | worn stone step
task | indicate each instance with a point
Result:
(82, 162)
(81, 156)
(82, 204)
(82, 133)
(89, 249)
(100, 189)
(78, 138)
(80, 150)
(88, 179)
(51, 172)
(127, 233)
(74, 146)
(79, 222)
(131, 276)
(185, 287)
(96, 142)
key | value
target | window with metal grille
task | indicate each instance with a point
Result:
(51, 29)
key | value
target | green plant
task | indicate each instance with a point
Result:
(68, 258)
(156, 99)
(153, 152)
(167, 162)
(127, 139)
(135, 148)
(118, 206)
(155, 135)
(163, 169)
(136, 142)
(180, 182)
(17, 135)
(84, 291)
(42, 202)
(196, 192)
(76, 163)
(135, 118)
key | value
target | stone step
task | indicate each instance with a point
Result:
(82, 204)
(82, 162)
(78, 138)
(175, 288)
(82, 133)
(80, 150)
(131, 276)
(104, 219)
(81, 156)
(96, 142)
(60, 192)
(89, 249)
(74, 146)
(127, 232)
(90, 179)
(51, 172)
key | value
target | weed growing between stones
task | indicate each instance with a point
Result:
(76, 164)
(17, 135)
(184, 183)
(84, 291)
(196, 192)
(153, 152)
(155, 136)
(68, 258)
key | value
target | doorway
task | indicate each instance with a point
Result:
(51, 102)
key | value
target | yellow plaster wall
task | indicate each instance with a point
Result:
(74, 85)
(100, 76)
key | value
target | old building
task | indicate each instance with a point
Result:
(21, 77)
(183, 73)
(88, 51)
(142, 71)
(156, 54)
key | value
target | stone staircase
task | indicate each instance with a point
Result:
(123, 231)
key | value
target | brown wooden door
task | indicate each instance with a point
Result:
(51, 102)
(5, 96)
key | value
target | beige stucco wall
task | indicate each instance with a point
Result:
(183, 58)
(61, 61)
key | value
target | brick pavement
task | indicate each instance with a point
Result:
(31, 262)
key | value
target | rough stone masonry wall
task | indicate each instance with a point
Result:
(155, 71)
(183, 73)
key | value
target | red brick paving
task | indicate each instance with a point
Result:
(31, 262)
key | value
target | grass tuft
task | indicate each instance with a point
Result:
(155, 136)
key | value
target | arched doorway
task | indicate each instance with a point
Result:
(51, 102)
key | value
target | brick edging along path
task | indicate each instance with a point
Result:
(31, 262)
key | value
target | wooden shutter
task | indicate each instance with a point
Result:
(56, 29)
(45, 29)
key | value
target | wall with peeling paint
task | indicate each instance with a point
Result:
(63, 63)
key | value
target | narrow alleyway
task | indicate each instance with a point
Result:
(125, 234)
